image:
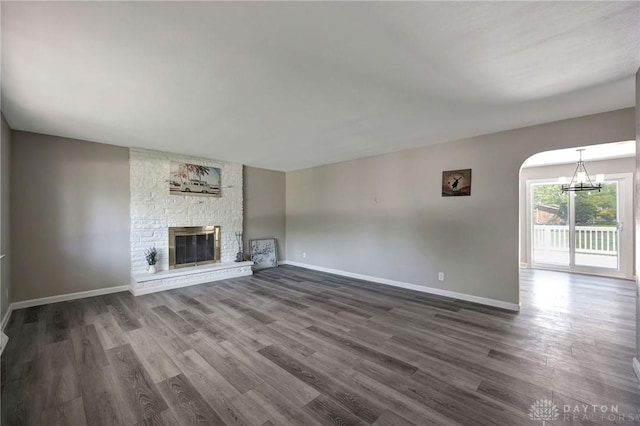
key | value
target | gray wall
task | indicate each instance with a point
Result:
(618, 165)
(69, 216)
(264, 207)
(5, 226)
(384, 216)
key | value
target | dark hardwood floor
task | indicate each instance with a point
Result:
(293, 346)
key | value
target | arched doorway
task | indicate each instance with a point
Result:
(585, 232)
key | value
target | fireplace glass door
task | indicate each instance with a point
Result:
(191, 246)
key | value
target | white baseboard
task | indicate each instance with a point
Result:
(155, 289)
(636, 367)
(454, 295)
(67, 297)
(4, 339)
(6, 317)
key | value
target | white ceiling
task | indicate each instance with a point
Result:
(289, 85)
(605, 151)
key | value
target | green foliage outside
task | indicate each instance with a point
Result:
(593, 208)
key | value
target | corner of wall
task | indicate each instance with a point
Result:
(5, 225)
(637, 218)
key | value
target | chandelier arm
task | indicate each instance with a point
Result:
(575, 173)
(586, 174)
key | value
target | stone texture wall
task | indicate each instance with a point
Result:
(154, 209)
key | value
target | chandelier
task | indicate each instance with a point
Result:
(581, 180)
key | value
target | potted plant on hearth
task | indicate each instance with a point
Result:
(152, 257)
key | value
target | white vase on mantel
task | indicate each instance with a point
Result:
(152, 269)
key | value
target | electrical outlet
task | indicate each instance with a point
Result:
(304, 254)
(440, 276)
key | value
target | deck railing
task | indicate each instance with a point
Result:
(589, 239)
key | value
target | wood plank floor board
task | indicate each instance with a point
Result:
(238, 330)
(293, 318)
(187, 405)
(288, 385)
(170, 301)
(592, 361)
(275, 417)
(618, 377)
(154, 359)
(62, 383)
(286, 339)
(12, 354)
(165, 418)
(518, 400)
(21, 406)
(109, 333)
(138, 308)
(289, 346)
(240, 376)
(34, 313)
(463, 407)
(388, 397)
(89, 353)
(443, 335)
(283, 299)
(173, 320)
(76, 313)
(250, 299)
(366, 352)
(213, 387)
(281, 409)
(325, 346)
(58, 322)
(486, 368)
(389, 418)
(94, 306)
(254, 413)
(373, 305)
(246, 310)
(167, 339)
(191, 302)
(204, 325)
(377, 392)
(327, 320)
(200, 372)
(357, 404)
(330, 412)
(133, 384)
(70, 413)
(445, 370)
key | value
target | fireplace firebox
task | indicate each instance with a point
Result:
(193, 245)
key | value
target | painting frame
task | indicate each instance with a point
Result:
(264, 253)
(195, 179)
(456, 183)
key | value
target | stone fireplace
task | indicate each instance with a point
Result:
(190, 250)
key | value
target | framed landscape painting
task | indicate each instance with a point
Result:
(456, 183)
(192, 179)
(263, 253)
